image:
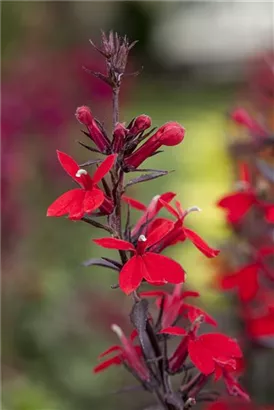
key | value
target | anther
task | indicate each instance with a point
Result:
(81, 172)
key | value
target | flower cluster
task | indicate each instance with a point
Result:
(250, 214)
(99, 201)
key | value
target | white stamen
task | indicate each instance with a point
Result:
(142, 238)
(81, 172)
(193, 209)
(156, 197)
(117, 330)
(241, 185)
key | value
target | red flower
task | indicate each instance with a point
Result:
(178, 232)
(210, 353)
(168, 134)
(214, 351)
(86, 199)
(149, 212)
(261, 326)
(154, 268)
(237, 204)
(173, 303)
(245, 279)
(127, 353)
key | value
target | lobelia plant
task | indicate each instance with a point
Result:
(198, 358)
(248, 269)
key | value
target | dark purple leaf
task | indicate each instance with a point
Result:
(146, 177)
(91, 162)
(117, 264)
(100, 262)
(88, 147)
(138, 317)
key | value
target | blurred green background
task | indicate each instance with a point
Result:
(56, 315)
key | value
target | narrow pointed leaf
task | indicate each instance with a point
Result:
(91, 162)
(88, 147)
(100, 262)
(146, 177)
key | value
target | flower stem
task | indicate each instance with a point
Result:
(115, 105)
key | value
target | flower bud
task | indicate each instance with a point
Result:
(84, 116)
(119, 135)
(141, 123)
(169, 134)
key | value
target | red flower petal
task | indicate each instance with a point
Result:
(116, 360)
(160, 268)
(244, 172)
(194, 312)
(266, 251)
(113, 243)
(174, 330)
(248, 285)
(201, 357)
(134, 203)
(221, 345)
(69, 165)
(237, 205)
(157, 234)
(190, 294)
(103, 168)
(166, 197)
(169, 208)
(110, 350)
(200, 243)
(160, 222)
(93, 199)
(261, 326)
(270, 214)
(70, 202)
(245, 279)
(131, 274)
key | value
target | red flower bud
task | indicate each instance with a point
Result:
(141, 123)
(119, 134)
(169, 134)
(84, 116)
